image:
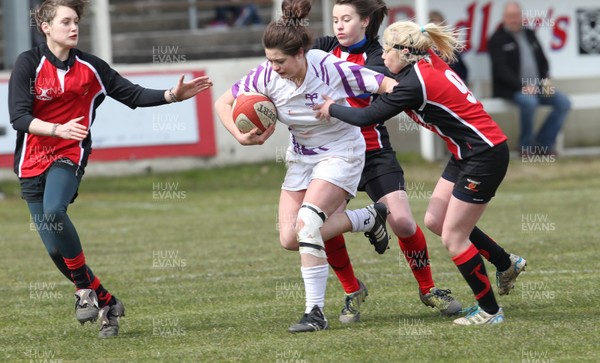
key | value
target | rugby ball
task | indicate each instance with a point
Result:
(253, 110)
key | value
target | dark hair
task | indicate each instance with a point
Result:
(46, 11)
(375, 10)
(289, 33)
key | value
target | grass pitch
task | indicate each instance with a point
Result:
(196, 260)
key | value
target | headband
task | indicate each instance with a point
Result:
(411, 49)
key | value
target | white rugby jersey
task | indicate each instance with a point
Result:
(326, 75)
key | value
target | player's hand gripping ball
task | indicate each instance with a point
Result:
(253, 110)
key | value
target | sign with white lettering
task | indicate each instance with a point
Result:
(568, 31)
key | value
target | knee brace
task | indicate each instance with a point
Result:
(309, 236)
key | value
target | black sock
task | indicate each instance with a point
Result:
(490, 249)
(81, 278)
(60, 263)
(79, 271)
(471, 266)
(104, 297)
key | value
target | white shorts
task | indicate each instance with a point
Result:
(342, 168)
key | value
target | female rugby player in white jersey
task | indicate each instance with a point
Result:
(325, 158)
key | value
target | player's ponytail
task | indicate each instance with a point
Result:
(289, 33)
(445, 40)
(375, 10)
(414, 40)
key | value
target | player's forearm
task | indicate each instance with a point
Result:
(223, 107)
(351, 115)
(42, 128)
(152, 97)
(72, 130)
(169, 96)
(387, 85)
(376, 113)
(133, 95)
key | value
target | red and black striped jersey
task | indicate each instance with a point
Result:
(42, 86)
(436, 98)
(369, 55)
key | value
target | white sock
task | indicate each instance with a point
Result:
(315, 283)
(362, 220)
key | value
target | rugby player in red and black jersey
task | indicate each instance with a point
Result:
(54, 90)
(355, 25)
(435, 97)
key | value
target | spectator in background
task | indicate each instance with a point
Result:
(236, 15)
(2, 133)
(459, 66)
(520, 73)
(36, 37)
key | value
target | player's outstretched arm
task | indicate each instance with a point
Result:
(223, 106)
(184, 90)
(377, 112)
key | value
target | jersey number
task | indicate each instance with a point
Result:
(455, 79)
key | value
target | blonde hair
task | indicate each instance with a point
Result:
(418, 40)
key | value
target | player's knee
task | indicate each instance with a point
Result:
(446, 243)
(453, 245)
(449, 239)
(434, 223)
(308, 230)
(309, 221)
(454, 239)
(53, 211)
(290, 244)
(403, 226)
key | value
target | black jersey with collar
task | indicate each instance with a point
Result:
(44, 87)
(435, 97)
(368, 55)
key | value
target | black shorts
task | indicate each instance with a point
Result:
(382, 174)
(32, 189)
(477, 178)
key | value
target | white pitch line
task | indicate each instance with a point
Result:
(540, 272)
(559, 272)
